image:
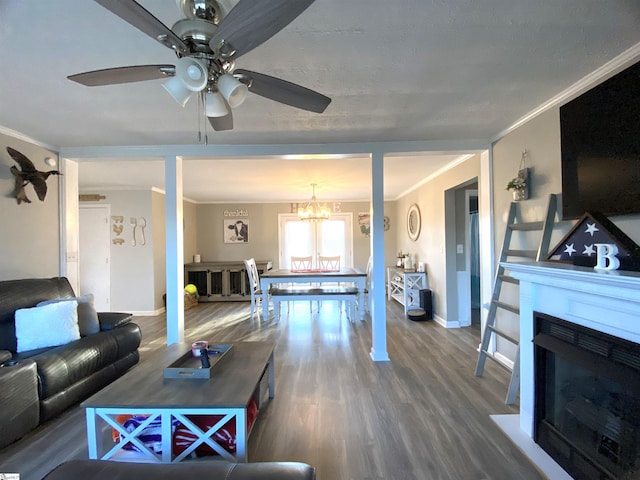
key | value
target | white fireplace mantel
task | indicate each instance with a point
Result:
(604, 301)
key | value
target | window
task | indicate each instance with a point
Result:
(330, 237)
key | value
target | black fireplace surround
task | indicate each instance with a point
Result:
(587, 399)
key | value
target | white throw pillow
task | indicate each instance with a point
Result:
(88, 322)
(47, 326)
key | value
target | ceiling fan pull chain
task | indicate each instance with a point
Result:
(200, 135)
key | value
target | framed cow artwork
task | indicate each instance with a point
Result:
(236, 230)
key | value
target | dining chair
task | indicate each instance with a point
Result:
(254, 285)
(302, 263)
(367, 288)
(329, 263)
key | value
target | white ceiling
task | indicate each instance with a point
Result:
(441, 70)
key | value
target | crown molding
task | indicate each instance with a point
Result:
(26, 138)
(609, 69)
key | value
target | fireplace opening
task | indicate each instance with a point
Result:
(587, 399)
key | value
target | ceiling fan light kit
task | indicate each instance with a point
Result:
(208, 42)
(190, 76)
(232, 90)
(215, 105)
(178, 90)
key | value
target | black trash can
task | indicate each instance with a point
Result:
(426, 303)
(425, 312)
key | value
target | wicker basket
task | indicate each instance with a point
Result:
(190, 300)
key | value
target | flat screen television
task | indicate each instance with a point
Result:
(600, 145)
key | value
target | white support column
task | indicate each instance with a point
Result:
(174, 249)
(378, 306)
(486, 238)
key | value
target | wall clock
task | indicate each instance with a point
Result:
(413, 222)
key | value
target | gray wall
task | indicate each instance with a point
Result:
(132, 278)
(541, 138)
(190, 210)
(30, 232)
(158, 209)
(430, 247)
(263, 232)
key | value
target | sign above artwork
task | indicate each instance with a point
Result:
(241, 212)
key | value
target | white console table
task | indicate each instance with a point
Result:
(404, 287)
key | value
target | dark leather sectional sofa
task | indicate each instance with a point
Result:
(37, 385)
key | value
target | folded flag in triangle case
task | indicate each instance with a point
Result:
(579, 244)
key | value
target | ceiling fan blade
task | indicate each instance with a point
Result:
(220, 124)
(112, 76)
(135, 14)
(251, 23)
(285, 92)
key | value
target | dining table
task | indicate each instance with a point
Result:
(313, 276)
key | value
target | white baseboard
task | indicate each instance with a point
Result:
(446, 324)
(506, 361)
(148, 313)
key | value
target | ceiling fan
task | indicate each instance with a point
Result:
(207, 42)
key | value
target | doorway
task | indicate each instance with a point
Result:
(95, 254)
(462, 255)
(331, 237)
(472, 240)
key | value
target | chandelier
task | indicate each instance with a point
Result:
(313, 211)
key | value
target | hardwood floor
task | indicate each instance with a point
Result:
(423, 415)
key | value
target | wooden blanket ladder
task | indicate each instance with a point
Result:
(545, 227)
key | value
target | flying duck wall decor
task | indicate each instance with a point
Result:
(28, 174)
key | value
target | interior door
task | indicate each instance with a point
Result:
(95, 254)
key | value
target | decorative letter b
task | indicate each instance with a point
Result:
(606, 251)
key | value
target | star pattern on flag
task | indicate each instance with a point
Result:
(591, 228)
(569, 250)
(589, 250)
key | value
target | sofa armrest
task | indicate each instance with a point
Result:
(5, 356)
(19, 404)
(111, 320)
(218, 470)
